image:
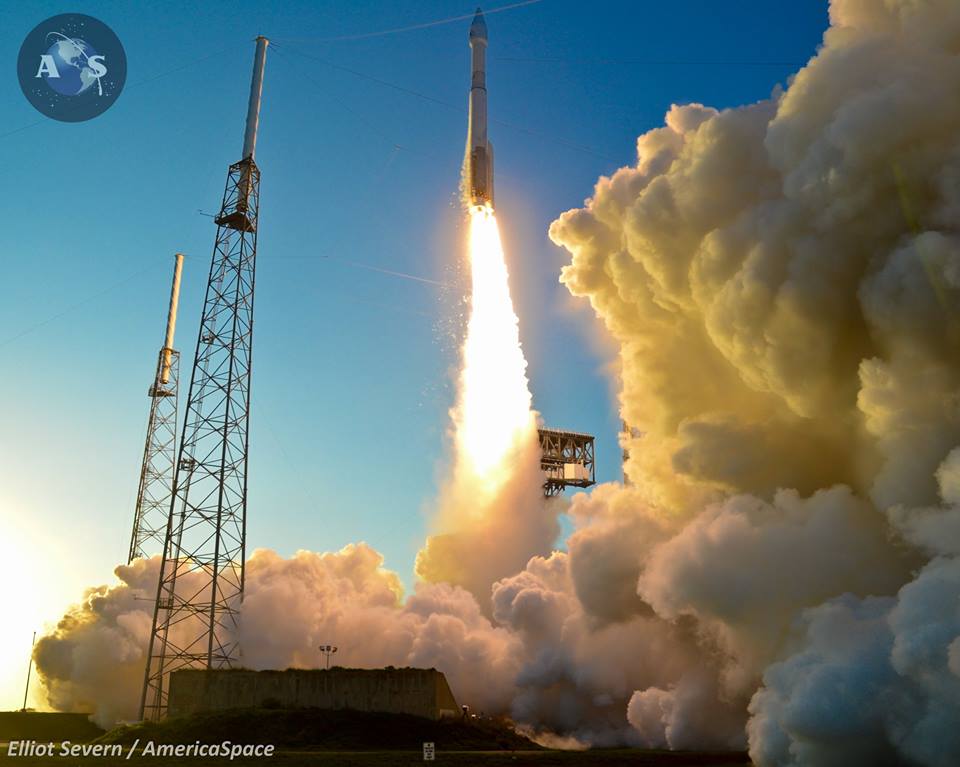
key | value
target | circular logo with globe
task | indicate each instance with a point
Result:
(72, 67)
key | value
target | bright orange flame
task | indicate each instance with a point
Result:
(493, 416)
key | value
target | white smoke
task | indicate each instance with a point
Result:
(782, 280)
(484, 538)
(94, 659)
(872, 684)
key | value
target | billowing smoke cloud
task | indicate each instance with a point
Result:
(544, 660)
(94, 660)
(782, 280)
(783, 570)
(485, 539)
(876, 679)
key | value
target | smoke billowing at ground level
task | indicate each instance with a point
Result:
(783, 282)
(783, 571)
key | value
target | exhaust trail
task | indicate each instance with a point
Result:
(494, 413)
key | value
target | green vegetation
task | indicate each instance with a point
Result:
(317, 729)
(43, 725)
(601, 758)
(316, 738)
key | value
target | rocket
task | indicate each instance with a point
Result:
(479, 160)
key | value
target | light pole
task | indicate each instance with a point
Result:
(327, 651)
(29, 669)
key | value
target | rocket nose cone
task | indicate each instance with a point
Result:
(478, 29)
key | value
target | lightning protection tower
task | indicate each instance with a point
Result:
(159, 451)
(201, 577)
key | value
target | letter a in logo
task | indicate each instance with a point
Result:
(48, 67)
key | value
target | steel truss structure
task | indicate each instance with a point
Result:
(566, 458)
(159, 454)
(202, 572)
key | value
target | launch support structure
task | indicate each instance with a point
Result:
(202, 572)
(566, 460)
(159, 451)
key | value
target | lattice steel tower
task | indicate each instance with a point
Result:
(159, 450)
(201, 579)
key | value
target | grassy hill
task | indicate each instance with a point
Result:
(46, 726)
(318, 738)
(319, 729)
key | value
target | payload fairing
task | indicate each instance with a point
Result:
(479, 159)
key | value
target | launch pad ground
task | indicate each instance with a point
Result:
(322, 738)
(44, 725)
(600, 758)
(545, 758)
(319, 738)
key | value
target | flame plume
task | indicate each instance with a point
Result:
(493, 416)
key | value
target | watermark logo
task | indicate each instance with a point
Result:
(72, 67)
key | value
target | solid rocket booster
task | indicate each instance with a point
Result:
(479, 160)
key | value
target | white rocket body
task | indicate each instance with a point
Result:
(479, 159)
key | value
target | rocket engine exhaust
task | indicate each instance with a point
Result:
(478, 163)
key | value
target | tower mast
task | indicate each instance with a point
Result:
(159, 450)
(202, 572)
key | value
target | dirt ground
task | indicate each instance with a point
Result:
(597, 758)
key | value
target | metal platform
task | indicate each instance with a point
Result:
(567, 459)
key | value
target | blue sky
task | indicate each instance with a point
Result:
(352, 367)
